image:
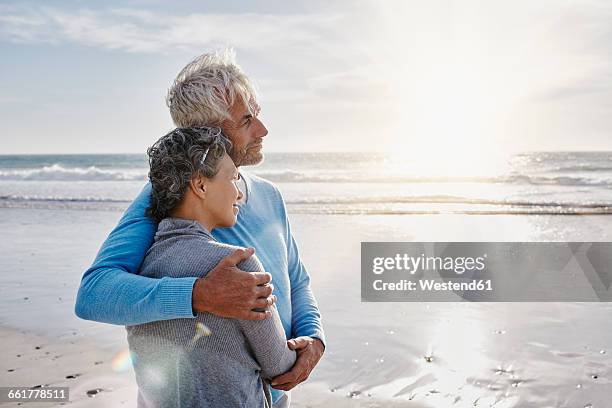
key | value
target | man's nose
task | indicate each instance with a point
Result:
(263, 132)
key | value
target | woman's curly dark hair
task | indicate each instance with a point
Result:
(174, 160)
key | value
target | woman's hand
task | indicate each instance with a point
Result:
(229, 292)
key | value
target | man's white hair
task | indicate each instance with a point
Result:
(207, 87)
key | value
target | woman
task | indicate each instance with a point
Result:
(208, 361)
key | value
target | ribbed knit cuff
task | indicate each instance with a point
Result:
(315, 334)
(176, 297)
(319, 335)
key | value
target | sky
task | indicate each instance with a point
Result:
(415, 78)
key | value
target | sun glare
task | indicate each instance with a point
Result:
(452, 116)
(454, 93)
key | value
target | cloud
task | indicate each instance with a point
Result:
(139, 31)
(336, 70)
(368, 83)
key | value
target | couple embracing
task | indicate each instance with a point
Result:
(210, 323)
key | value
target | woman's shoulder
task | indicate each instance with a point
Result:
(195, 245)
(223, 248)
(200, 252)
(251, 264)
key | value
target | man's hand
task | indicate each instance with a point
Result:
(309, 352)
(229, 292)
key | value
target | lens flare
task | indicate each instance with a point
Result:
(200, 331)
(122, 361)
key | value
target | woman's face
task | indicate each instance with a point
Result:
(222, 195)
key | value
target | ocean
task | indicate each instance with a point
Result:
(337, 183)
(56, 210)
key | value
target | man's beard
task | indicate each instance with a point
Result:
(246, 156)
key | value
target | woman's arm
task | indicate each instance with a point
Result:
(267, 337)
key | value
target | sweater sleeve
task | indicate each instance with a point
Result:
(111, 290)
(267, 337)
(305, 318)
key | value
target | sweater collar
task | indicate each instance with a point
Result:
(179, 226)
(246, 182)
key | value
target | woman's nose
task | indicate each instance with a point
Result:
(240, 195)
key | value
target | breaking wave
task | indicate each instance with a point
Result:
(57, 172)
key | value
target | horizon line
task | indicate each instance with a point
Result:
(294, 152)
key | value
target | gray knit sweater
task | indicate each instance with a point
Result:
(208, 361)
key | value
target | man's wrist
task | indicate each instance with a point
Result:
(318, 335)
(319, 343)
(198, 300)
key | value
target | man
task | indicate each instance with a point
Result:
(213, 91)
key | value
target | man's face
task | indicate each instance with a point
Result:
(246, 132)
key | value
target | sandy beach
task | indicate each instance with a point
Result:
(383, 354)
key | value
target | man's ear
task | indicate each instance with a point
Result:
(198, 185)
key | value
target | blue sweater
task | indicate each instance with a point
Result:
(108, 294)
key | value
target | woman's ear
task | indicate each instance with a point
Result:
(198, 186)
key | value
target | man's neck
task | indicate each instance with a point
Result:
(243, 189)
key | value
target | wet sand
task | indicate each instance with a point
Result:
(80, 364)
(384, 354)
